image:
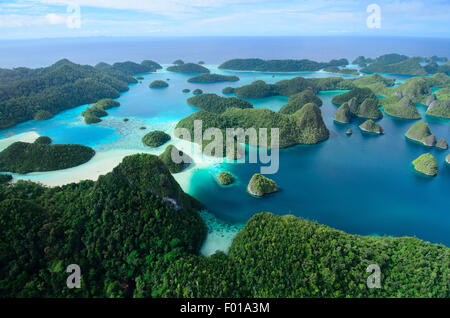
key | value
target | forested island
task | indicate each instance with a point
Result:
(225, 178)
(402, 64)
(420, 132)
(216, 104)
(158, 84)
(22, 157)
(93, 114)
(371, 127)
(189, 68)
(213, 78)
(344, 71)
(426, 164)
(135, 238)
(260, 185)
(260, 65)
(43, 92)
(389, 63)
(228, 90)
(155, 138)
(305, 126)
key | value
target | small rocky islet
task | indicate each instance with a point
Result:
(420, 132)
(371, 127)
(225, 178)
(426, 164)
(260, 185)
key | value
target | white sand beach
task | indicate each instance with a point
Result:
(25, 137)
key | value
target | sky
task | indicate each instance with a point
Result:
(23, 19)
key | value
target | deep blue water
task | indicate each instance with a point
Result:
(360, 184)
(212, 50)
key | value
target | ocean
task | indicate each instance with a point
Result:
(212, 50)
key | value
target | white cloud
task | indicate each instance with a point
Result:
(53, 18)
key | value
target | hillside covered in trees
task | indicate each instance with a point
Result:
(22, 157)
(135, 233)
(41, 93)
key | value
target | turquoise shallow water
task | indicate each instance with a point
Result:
(360, 184)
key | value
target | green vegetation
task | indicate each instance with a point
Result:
(337, 70)
(201, 62)
(447, 159)
(426, 164)
(217, 104)
(273, 65)
(416, 88)
(22, 157)
(213, 78)
(257, 89)
(159, 84)
(228, 90)
(166, 158)
(40, 93)
(5, 178)
(410, 66)
(343, 114)
(330, 84)
(297, 101)
(361, 86)
(43, 140)
(260, 185)
(197, 91)
(403, 108)
(136, 238)
(93, 114)
(178, 62)
(123, 230)
(42, 115)
(152, 65)
(440, 108)
(371, 127)
(131, 68)
(306, 126)
(225, 178)
(186, 90)
(349, 131)
(155, 138)
(444, 68)
(361, 61)
(190, 68)
(369, 109)
(375, 82)
(419, 132)
(125, 119)
(361, 94)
